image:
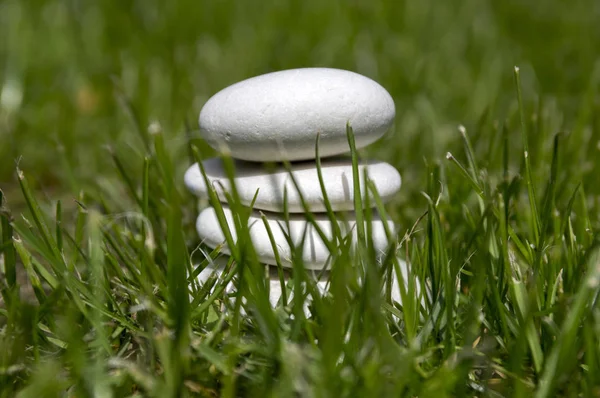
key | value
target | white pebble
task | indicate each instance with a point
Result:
(218, 265)
(270, 183)
(277, 116)
(315, 254)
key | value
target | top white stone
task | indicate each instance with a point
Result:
(277, 116)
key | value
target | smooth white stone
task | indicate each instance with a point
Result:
(277, 116)
(271, 182)
(219, 264)
(314, 251)
(274, 283)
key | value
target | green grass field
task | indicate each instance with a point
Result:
(500, 220)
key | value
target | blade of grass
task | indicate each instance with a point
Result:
(330, 214)
(277, 259)
(38, 219)
(32, 275)
(465, 173)
(535, 221)
(571, 325)
(8, 250)
(358, 206)
(58, 227)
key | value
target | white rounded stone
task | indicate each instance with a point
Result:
(218, 265)
(277, 116)
(314, 251)
(271, 182)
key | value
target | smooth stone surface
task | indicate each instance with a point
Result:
(219, 264)
(271, 182)
(314, 251)
(277, 116)
(274, 283)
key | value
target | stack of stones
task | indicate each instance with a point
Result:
(276, 117)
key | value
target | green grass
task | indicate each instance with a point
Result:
(498, 212)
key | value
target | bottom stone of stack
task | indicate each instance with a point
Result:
(315, 254)
(218, 266)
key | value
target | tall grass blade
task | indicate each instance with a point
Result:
(535, 218)
(6, 246)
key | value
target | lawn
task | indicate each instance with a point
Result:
(497, 135)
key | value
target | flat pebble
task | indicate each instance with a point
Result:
(277, 116)
(270, 183)
(217, 267)
(314, 252)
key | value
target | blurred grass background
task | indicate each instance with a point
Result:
(80, 82)
(67, 67)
